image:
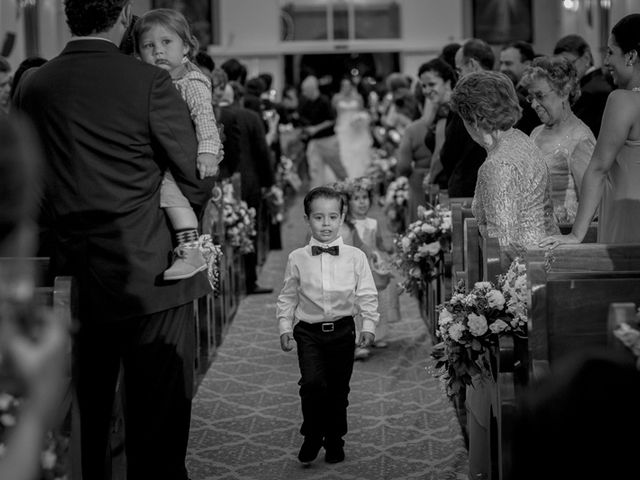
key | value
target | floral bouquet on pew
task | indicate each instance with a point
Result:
(239, 221)
(396, 203)
(471, 323)
(287, 179)
(381, 170)
(418, 251)
(274, 198)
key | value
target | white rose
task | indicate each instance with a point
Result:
(428, 228)
(495, 299)
(477, 324)
(498, 326)
(415, 272)
(446, 224)
(445, 318)
(411, 236)
(433, 248)
(482, 285)
(406, 244)
(456, 331)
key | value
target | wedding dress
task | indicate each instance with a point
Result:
(354, 135)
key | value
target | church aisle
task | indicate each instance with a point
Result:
(246, 414)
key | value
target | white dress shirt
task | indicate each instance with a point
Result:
(324, 288)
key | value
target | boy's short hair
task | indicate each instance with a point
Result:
(322, 192)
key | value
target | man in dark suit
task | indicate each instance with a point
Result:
(249, 154)
(110, 126)
(460, 155)
(595, 85)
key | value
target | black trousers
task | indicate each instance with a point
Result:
(326, 364)
(157, 352)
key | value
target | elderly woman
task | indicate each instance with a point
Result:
(566, 141)
(512, 198)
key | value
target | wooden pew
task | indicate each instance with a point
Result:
(460, 210)
(570, 298)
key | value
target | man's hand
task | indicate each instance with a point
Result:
(207, 165)
(286, 342)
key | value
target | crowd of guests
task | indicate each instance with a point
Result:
(538, 141)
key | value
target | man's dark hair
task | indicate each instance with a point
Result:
(255, 86)
(572, 44)
(322, 192)
(526, 50)
(85, 17)
(203, 59)
(448, 54)
(235, 70)
(267, 78)
(480, 51)
(25, 65)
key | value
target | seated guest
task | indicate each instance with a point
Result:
(595, 84)
(566, 141)
(511, 203)
(512, 200)
(460, 156)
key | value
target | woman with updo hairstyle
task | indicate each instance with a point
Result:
(611, 182)
(512, 198)
(566, 141)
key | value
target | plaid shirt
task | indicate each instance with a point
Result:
(195, 89)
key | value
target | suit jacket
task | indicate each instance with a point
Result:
(110, 126)
(254, 157)
(461, 158)
(595, 88)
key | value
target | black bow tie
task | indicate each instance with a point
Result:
(315, 250)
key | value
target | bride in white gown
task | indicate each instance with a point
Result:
(352, 129)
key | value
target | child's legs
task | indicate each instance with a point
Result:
(313, 391)
(340, 350)
(176, 205)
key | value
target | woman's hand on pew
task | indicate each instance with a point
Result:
(554, 240)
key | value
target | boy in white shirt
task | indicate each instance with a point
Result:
(326, 283)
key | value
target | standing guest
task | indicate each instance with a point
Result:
(318, 118)
(26, 64)
(236, 71)
(595, 84)
(5, 86)
(203, 60)
(514, 59)
(163, 38)
(326, 284)
(246, 132)
(448, 54)
(565, 140)
(511, 203)
(418, 146)
(613, 175)
(460, 156)
(111, 125)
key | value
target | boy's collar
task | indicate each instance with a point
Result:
(338, 241)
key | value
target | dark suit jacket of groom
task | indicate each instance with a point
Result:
(110, 125)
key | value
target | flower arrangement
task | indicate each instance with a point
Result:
(286, 176)
(471, 324)
(417, 252)
(381, 170)
(274, 198)
(239, 220)
(396, 202)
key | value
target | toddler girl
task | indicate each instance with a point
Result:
(359, 195)
(163, 38)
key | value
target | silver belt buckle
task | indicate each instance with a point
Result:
(327, 327)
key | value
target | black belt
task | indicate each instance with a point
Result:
(326, 327)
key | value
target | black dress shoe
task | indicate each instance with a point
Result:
(258, 290)
(309, 450)
(334, 454)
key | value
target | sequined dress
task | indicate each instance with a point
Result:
(567, 155)
(512, 200)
